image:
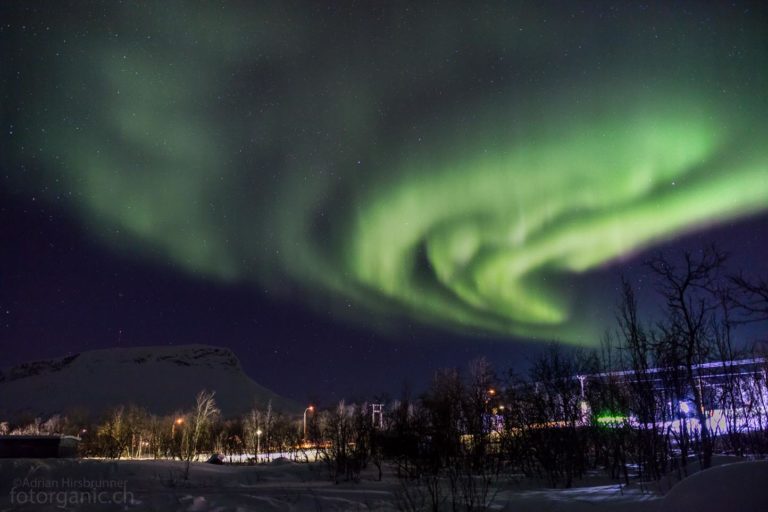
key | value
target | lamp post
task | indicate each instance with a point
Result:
(258, 444)
(178, 422)
(488, 411)
(583, 405)
(311, 408)
(489, 395)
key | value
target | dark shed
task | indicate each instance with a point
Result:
(38, 447)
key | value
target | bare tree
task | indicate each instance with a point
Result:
(257, 429)
(199, 421)
(480, 397)
(643, 397)
(252, 432)
(113, 435)
(687, 335)
(752, 300)
(553, 412)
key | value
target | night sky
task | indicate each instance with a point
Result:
(352, 196)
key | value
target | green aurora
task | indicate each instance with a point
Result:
(461, 168)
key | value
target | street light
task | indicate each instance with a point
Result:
(489, 394)
(178, 421)
(311, 408)
(258, 444)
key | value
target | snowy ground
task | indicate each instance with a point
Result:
(287, 486)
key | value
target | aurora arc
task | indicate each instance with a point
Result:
(476, 222)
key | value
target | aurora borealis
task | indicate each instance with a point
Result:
(465, 167)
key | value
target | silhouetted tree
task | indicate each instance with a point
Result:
(197, 425)
(687, 334)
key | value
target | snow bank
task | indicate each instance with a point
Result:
(740, 487)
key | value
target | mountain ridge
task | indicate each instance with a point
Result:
(163, 379)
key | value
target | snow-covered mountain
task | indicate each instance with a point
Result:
(162, 379)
